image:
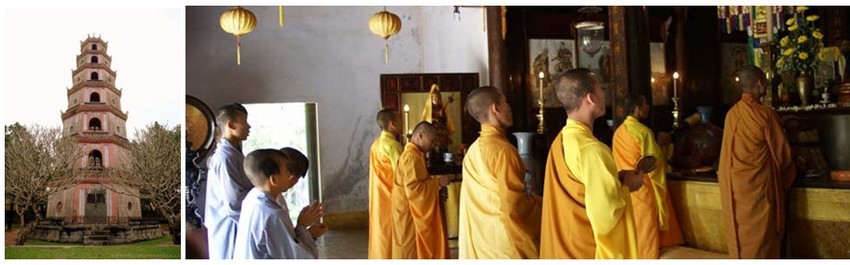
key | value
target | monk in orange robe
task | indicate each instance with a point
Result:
(632, 140)
(587, 211)
(383, 157)
(417, 218)
(498, 220)
(755, 173)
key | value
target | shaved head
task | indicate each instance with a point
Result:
(425, 127)
(424, 136)
(228, 113)
(573, 86)
(385, 116)
(750, 77)
(632, 102)
(479, 101)
(296, 163)
(261, 164)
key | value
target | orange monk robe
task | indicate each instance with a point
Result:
(498, 220)
(417, 220)
(673, 236)
(382, 163)
(755, 173)
(587, 212)
(632, 140)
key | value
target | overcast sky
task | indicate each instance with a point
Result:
(147, 50)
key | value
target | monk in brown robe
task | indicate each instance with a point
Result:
(755, 173)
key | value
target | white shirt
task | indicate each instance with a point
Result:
(227, 186)
(266, 232)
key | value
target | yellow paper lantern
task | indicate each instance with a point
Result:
(238, 21)
(385, 24)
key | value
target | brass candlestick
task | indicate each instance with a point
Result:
(406, 129)
(540, 127)
(675, 112)
(675, 100)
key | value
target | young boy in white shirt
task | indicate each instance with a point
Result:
(265, 230)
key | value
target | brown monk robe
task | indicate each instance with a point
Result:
(755, 173)
(581, 244)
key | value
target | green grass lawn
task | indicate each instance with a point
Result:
(151, 249)
(94, 252)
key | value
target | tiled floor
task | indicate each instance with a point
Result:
(351, 244)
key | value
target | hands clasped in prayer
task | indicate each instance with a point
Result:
(310, 218)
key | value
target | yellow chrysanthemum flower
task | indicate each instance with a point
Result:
(802, 8)
(788, 52)
(812, 18)
(793, 28)
(784, 41)
(822, 56)
(803, 55)
(817, 35)
(790, 21)
(780, 62)
(802, 39)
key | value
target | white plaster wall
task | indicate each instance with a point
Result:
(455, 46)
(325, 55)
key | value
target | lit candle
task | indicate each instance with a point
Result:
(540, 76)
(406, 118)
(675, 80)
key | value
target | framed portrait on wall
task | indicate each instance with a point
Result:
(732, 56)
(660, 81)
(599, 62)
(824, 75)
(552, 57)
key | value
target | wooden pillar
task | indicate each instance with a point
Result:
(630, 62)
(696, 41)
(497, 58)
(514, 72)
(834, 25)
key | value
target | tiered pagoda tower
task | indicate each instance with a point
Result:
(95, 119)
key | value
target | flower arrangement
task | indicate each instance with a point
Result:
(799, 49)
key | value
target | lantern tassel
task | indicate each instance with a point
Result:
(238, 51)
(484, 18)
(280, 15)
(386, 52)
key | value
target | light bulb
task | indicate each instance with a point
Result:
(456, 14)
